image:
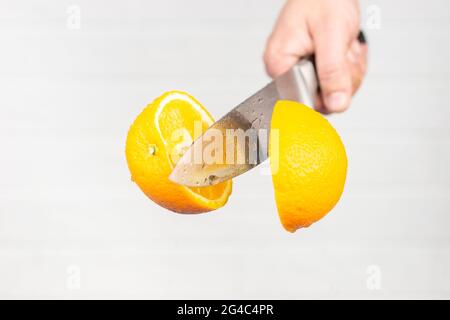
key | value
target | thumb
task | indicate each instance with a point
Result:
(332, 42)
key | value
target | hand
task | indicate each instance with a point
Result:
(329, 29)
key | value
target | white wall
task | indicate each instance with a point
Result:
(68, 207)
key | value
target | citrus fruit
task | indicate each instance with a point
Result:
(157, 139)
(308, 163)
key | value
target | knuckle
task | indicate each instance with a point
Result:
(268, 56)
(273, 59)
(273, 50)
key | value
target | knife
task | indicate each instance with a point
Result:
(251, 119)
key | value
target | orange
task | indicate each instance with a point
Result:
(156, 140)
(308, 163)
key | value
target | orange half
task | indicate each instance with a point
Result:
(157, 139)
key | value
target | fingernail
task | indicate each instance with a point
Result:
(336, 101)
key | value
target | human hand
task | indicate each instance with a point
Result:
(329, 29)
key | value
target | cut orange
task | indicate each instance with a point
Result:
(308, 163)
(307, 159)
(156, 140)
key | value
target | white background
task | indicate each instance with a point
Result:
(73, 225)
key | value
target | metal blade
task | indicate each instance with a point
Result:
(239, 141)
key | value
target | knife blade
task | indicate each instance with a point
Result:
(239, 141)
